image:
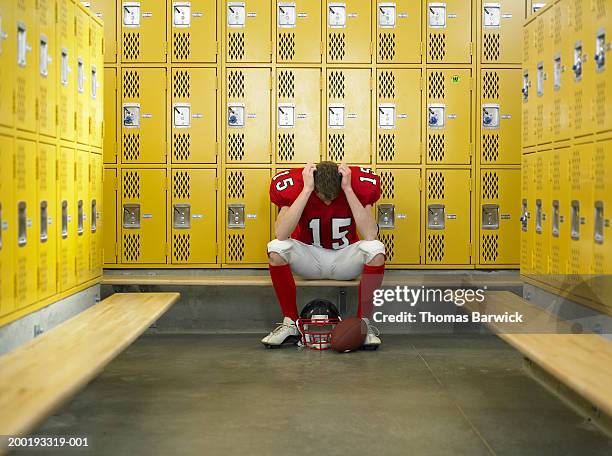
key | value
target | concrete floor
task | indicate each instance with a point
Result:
(227, 395)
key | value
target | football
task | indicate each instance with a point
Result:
(348, 335)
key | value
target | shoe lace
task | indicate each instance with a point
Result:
(373, 330)
(280, 327)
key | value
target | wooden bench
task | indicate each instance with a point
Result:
(39, 376)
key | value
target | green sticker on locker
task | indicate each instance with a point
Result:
(455, 78)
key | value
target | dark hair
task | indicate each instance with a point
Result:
(327, 180)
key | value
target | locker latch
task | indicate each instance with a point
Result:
(64, 70)
(335, 115)
(182, 216)
(540, 79)
(181, 14)
(286, 15)
(94, 216)
(44, 220)
(491, 15)
(386, 115)
(22, 220)
(286, 115)
(599, 222)
(80, 75)
(131, 216)
(556, 218)
(386, 15)
(44, 56)
(437, 15)
(435, 217)
(336, 15)
(181, 115)
(557, 70)
(386, 216)
(64, 219)
(131, 14)
(131, 115)
(577, 66)
(21, 44)
(538, 216)
(235, 115)
(435, 115)
(490, 216)
(525, 89)
(575, 220)
(490, 116)
(600, 50)
(80, 217)
(235, 216)
(94, 82)
(236, 15)
(524, 215)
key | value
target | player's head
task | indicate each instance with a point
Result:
(327, 181)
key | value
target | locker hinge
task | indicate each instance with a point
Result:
(471, 48)
(421, 84)
(115, 183)
(421, 48)
(217, 149)
(470, 184)
(270, 149)
(14, 103)
(371, 48)
(166, 184)
(115, 151)
(371, 82)
(36, 109)
(321, 47)
(271, 81)
(472, 152)
(57, 175)
(167, 249)
(116, 249)
(56, 15)
(216, 183)
(56, 115)
(217, 48)
(472, 84)
(166, 47)
(321, 82)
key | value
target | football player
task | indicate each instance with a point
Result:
(321, 209)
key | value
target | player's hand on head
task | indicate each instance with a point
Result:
(308, 176)
(345, 172)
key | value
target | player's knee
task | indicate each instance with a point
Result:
(274, 247)
(275, 259)
(377, 260)
(376, 251)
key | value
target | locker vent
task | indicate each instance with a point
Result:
(336, 84)
(42, 172)
(490, 84)
(600, 8)
(490, 247)
(435, 147)
(286, 84)
(598, 266)
(526, 45)
(131, 45)
(181, 87)
(577, 17)
(235, 84)
(42, 111)
(437, 46)
(491, 47)
(539, 41)
(386, 147)
(435, 85)
(557, 117)
(386, 84)
(336, 49)
(181, 45)
(575, 171)
(131, 146)
(42, 272)
(20, 108)
(600, 170)
(555, 259)
(235, 247)
(336, 146)
(435, 186)
(22, 280)
(490, 185)
(557, 26)
(556, 173)
(387, 185)
(539, 127)
(131, 84)
(131, 185)
(525, 122)
(286, 46)
(181, 146)
(181, 186)
(20, 167)
(386, 46)
(235, 146)
(235, 185)
(577, 110)
(131, 247)
(182, 247)
(389, 241)
(435, 248)
(490, 147)
(235, 46)
(600, 106)
(286, 146)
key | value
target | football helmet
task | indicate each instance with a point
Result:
(317, 320)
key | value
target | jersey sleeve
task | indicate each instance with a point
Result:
(366, 185)
(285, 187)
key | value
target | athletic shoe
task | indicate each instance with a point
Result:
(287, 331)
(372, 340)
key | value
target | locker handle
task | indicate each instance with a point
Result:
(1, 226)
(64, 219)
(44, 220)
(22, 236)
(435, 217)
(599, 222)
(94, 216)
(386, 216)
(80, 217)
(575, 220)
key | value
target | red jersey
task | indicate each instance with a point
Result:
(333, 226)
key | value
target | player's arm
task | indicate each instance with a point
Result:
(364, 219)
(289, 216)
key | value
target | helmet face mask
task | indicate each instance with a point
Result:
(317, 320)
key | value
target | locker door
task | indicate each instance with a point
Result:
(499, 216)
(107, 12)
(527, 87)
(562, 73)
(500, 117)
(46, 208)
(448, 217)
(398, 32)
(194, 115)
(298, 27)
(194, 216)
(298, 115)
(83, 76)
(527, 211)
(248, 216)
(449, 31)
(8, 227)
(143, 218)
(559, 210)
(109, 216)
(96, 84)
(249, 37)
(8, 60)
(348, 115)
(67, 69)
(600, 33)
(143, 113)
(448, 116)
(349, 26)
(27, 65)
(541, 221)
(143, 31)
(82, 219)
(94, 213)
(110, 115)
(398, 116)
(399, 212)
(47, 70)
(25, 209)
(502, 22)
(194, 30)
(248, 115)
(66, 217)
(602, 246)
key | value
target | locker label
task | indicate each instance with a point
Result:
(147, 216)
(286, 15)
(131, 14)
(181, 14)
(236, 14)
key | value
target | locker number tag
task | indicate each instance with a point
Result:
(491, 15)
(437, 15)
(335, 116)
(181, 113)
(236, 14)
(286, 115)
(131, 115)
(386, 116)
(235, 115)
(336, 15)
(131, 14)
(181, 14)
(286, 15)
(386, 15)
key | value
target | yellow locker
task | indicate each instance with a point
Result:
(25, 257)
(602, 246)
(527, 211)
(143, 31)
(542, 68)
(298, 115)
(109, 215)
(398, 31)
(47, 68)
(533, 6)
(559, 210)
(194, 115)
(248, 216)
(399, 213)
(541, 220)
(499, 216)
(143, 218)
(110, 115)
(398, 116)
(500, 117)
(501, 23)
(8, 227)
(194, 30)
(83, 70)
(298, 28)
(248, 115)
(602, 93)
(66, 55)
(562, 75)
(528, 92)
(143, 115)
(82, 219)
(447, 232)
(96, 85)
(248, 25)
(8, 47)
(94, 212)
(348, 115)
(194, 216)
(26, 72)
(449, 31)
(106, 11)
(448, 116)
(349, 26)
(66, 212)
(46, 208)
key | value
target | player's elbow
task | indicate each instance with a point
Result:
(280, 233)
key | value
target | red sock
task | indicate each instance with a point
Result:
(284, 286)
(371, 279)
